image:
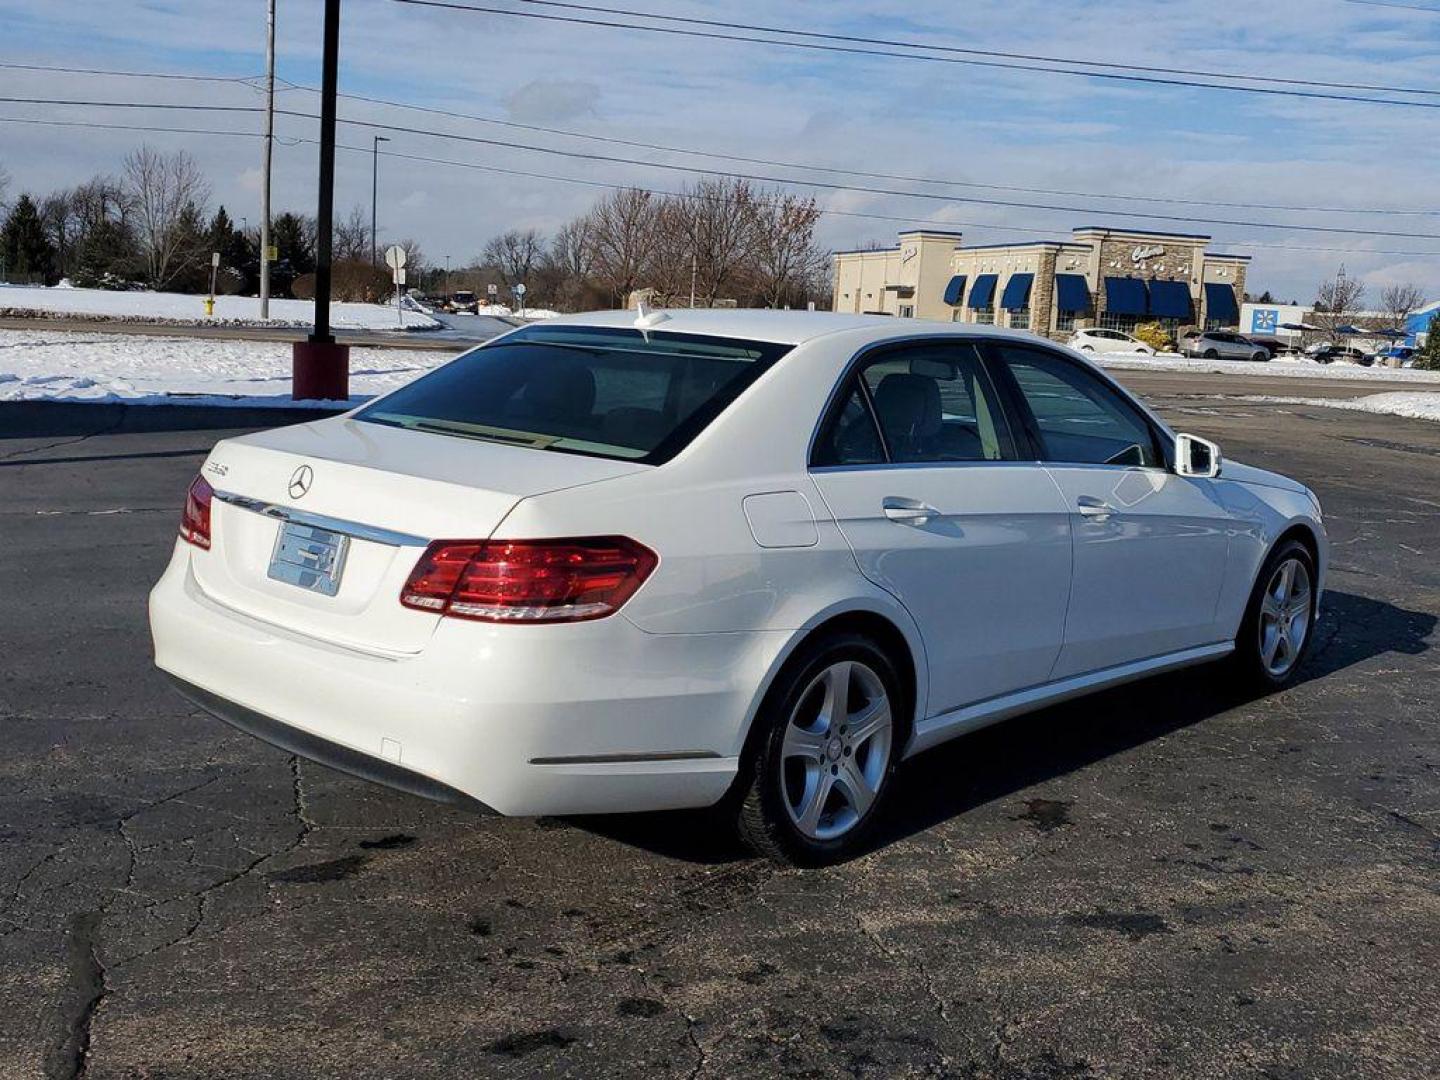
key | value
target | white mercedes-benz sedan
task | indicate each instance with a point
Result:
(745, 559)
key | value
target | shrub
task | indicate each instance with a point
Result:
(1429, 357)
(1156, 336)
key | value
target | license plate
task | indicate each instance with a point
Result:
(309, 557)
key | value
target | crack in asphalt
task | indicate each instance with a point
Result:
(89, 983)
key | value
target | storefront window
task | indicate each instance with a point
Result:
(1020, 319)
(907, 311)
(1065, 320)
(1125, 323)
(983, 316)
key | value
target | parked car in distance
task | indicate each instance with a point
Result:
(743, 559)
(1329, 353)
(1222, 345)
(1098, 340)
(1395, 356)
(462, 300)
(1273, 345)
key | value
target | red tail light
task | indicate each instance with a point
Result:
(529, 581)
(195, 521)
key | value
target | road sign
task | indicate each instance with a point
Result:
(215, 258)
(492, 290)
(520, 289)
(272, 254)
(395, 256)
(400, 276)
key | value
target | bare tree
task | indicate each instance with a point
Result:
(715, 216)
(4, 184)
(414, 258)
(1400, 301)
(570, 250)
(515, 254)
(162, 188)
(787, 260)
(350, 237)
(57, 211)
(1337, 302)
(621, 240)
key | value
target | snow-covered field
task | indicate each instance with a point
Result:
(180, 307)
(1415, 404)
(37, 365)
(1286, 367)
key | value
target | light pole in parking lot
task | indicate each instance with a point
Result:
(447, 277)
(320, 366)
(375, 193)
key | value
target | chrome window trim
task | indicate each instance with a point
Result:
(354, 529)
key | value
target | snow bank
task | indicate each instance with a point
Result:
(1282, 367)
(19, 300)
(1413, 404)
(59, 365)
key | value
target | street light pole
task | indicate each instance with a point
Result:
(320, 367)
(265, 168)
(447, 277)
(375, 194)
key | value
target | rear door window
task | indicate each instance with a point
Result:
(605, 392)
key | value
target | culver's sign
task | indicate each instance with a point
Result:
(1140, 254)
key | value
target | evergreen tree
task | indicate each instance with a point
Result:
(294, 240)
(106, 257)
(1429, 357)
(24, 246)
(239, 254)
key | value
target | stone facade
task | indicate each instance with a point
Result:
(910, 279)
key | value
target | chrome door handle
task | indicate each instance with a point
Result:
(908, 511)
(1093, 507)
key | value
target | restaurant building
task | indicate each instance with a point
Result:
(1112, 278)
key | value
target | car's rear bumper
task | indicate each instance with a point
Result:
(576, 718)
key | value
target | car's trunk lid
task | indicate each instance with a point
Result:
(316, 527)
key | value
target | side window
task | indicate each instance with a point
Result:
(1080, 419)
(936, 403)
(851, 437)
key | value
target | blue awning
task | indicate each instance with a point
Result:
(1017, 292)
(1125, 296)
(955, 290)
(1170, 299)
(1220, 303)
(982, 293)
(1071, 293)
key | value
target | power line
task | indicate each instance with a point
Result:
(170, 105)
(857, 50)
(612, 186)
(757, 177)
(825, 185)
(244, 79)
(1171, 200)
(864, 174)
(1073, 61)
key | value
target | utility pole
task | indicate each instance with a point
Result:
(320, 367)
(265, 168)
(374, 194)
(447, 277)
(694, 269)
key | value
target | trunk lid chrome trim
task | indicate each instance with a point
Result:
(356, 529)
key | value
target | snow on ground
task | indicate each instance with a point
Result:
(179, 307)
(57, 365)
(1415, 404)
(1284, 367)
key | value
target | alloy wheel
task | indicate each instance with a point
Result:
(836, 750)
(1285, 614)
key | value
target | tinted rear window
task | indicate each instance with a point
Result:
(614, 393)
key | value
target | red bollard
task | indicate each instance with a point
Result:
(320, 371)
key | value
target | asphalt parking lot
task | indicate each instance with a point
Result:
(1164, 881)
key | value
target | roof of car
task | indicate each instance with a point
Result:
(785, 327)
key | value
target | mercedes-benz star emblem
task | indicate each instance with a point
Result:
(300, 481)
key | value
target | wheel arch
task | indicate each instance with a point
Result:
(888, 624)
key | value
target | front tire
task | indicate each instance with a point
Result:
(823, 756)
(1279, 621)
(1211, 354)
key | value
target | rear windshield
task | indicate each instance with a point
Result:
(615, 393)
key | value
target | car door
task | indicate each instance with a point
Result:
(922, 472)
(1150, 547)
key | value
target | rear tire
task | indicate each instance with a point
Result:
(1279, 621)
(822, 757)
(1210, 354)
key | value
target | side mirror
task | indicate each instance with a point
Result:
(1195, 456)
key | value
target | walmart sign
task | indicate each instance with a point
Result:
(1264, 320)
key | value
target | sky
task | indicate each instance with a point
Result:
(957, 123)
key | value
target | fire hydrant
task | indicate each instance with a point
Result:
(209, 306)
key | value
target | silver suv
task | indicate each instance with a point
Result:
(1223, 345)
